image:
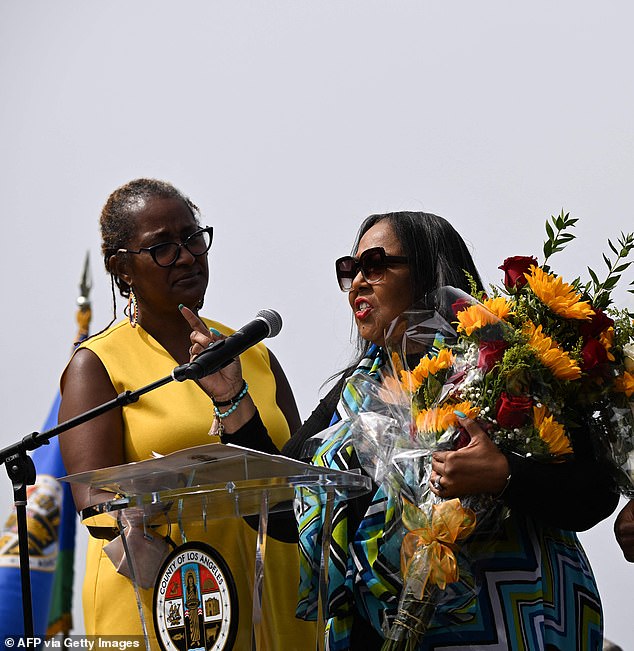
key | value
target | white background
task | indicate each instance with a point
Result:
(288, 122)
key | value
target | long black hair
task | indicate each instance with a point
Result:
(437, 253)
(438, 256)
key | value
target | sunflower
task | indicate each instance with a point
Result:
(499, 306)
(397, 365)
(475, 317)
(558, 295)
(409, 382)
(439, 419)
(391, 392)
(551, 432)
(431, 364)
(558, 361)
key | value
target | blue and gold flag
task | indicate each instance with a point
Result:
(51, 521)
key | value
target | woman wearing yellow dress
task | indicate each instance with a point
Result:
(156, 252)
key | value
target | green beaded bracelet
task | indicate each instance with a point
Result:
(235, 401)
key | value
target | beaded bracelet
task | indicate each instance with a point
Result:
(217, 427)
(225, 403)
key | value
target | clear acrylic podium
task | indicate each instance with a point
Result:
(197, 497)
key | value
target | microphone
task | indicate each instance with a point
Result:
(267, 323)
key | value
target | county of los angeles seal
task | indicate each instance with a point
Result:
(195, 601)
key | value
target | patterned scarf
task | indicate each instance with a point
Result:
(357, 572)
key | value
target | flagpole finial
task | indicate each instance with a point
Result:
(84, 312)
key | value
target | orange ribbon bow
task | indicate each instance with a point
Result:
(431, 541)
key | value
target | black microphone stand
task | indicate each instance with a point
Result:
(21, 471)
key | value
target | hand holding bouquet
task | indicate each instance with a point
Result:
(528, 362)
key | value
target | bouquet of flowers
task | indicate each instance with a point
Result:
(395, 448)
(529, 361)
(569, 353)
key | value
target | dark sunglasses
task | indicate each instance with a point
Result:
(166, 253)
(372, 263)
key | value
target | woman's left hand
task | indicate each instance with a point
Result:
(478, 467)
(225, 383)
(624, 530)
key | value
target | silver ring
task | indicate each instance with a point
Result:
(437, 485)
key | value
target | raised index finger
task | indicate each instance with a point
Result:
(195, 322)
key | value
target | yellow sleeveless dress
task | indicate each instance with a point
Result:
(173, 417)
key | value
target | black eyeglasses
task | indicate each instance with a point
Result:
(166, 253)
(372, 263)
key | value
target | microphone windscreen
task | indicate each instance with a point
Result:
(272, 319)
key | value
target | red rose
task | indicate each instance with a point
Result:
(461, 304)
(593, 355)
(514, 269)
(490, 353)
(513, 411)
(599, 322)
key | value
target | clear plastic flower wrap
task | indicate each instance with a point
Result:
(394, 446)
(523, 387)
(613, 418)
(531, 362)
(612, 431)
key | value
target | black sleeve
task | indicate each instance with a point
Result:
(573, 495)
(252, 435)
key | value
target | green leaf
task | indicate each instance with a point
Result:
(594, 277)
(549, 230)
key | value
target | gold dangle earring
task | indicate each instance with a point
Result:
(133, 309)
